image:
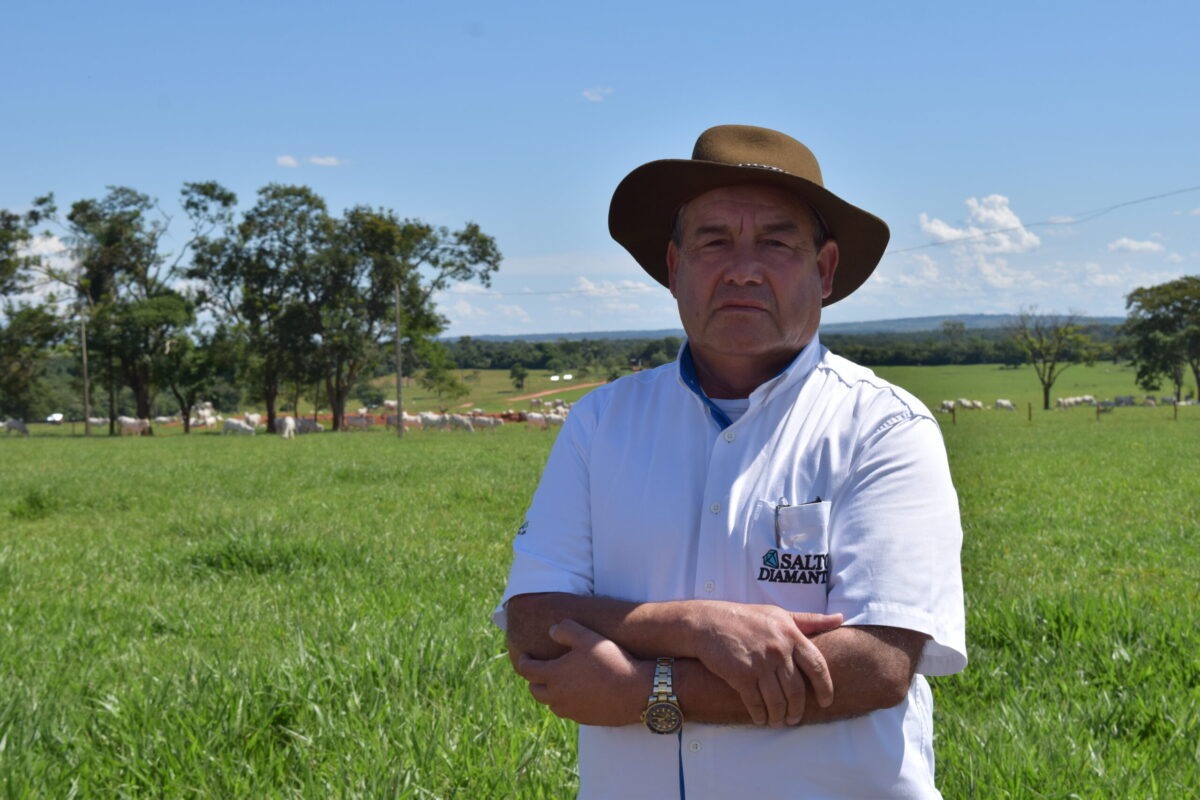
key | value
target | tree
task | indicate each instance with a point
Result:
(260, 273)
(192, 369)
(419, 260)
(17, 263)
(517, 375)
(1162, 332)
(1051, 344)
(26, 331)
(25, 342)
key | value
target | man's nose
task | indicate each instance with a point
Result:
(744, 267)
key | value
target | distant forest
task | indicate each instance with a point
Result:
(609, 356)
(952, 344)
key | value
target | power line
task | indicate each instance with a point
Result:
(1073, 220)
(1087, 216)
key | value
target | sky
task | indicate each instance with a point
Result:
(1026, 155)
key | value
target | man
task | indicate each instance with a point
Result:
(755, 549)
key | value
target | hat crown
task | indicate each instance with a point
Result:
(748, 146)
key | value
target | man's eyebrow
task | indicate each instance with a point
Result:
(711, 229)
(783, 226)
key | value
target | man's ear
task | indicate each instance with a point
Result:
(827, 262)
(672, 266)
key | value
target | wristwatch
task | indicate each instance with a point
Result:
(662, 714)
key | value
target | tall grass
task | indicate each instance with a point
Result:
(210, 616)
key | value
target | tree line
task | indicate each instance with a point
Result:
(288, 302)
(284, 301)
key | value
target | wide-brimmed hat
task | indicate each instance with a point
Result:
(642, 213)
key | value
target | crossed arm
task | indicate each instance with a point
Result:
(590, 659)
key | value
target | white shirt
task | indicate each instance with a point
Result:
(650, 494)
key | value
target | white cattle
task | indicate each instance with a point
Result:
(535, 419)
(305, 425)
(237, 426)
(390, 405)
(287, 427)
(487, 422)
(431, 420)
(973, 405)
(947, 406)
(132, 425)
(17, 425)
(98, 420)
(55, 419)
(408, 420)
(462, 422)
(253, 420)
(1005, 405)
(359, 421)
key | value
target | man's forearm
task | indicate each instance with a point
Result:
(644, 630)
(723, 680)
(871, 668)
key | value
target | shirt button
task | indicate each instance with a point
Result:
(695, 746)
(715, 508)
(730, 436)
(709, 586)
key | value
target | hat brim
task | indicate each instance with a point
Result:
(642, 214)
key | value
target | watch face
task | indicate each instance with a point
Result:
(663, 717)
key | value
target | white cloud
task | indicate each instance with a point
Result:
(922, 270)
(325, 161)
(1195, 212)
(1127, 245)
(287, 161)
(514, 312)
(463, 287)
(992, 227)
(1174, 258)
(991, 230)
(597, 94)
(1094, 275)
(612, 288)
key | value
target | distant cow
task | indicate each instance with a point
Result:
(1005, 405)
(17, 425)
(237, 426)
(305, 425)
(360, 421)
(137, 427)
(287, 427)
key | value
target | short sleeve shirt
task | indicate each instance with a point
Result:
(830, 493)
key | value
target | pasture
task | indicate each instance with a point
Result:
(210, 616)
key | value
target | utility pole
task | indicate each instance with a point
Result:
(87, 389)
(399, 370)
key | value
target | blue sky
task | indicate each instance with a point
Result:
(1037, 129)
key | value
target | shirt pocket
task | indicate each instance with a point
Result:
(790, 554)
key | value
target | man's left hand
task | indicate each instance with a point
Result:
(596, 682)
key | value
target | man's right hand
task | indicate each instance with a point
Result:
(763, 652)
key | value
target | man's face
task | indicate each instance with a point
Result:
(747, 278)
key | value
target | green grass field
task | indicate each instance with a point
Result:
(210, 616)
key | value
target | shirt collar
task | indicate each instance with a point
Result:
(795, 372)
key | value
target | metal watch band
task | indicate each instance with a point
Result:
(662, 688)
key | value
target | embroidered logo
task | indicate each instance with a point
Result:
(807, 568)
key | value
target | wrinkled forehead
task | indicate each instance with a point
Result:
(763, 204)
